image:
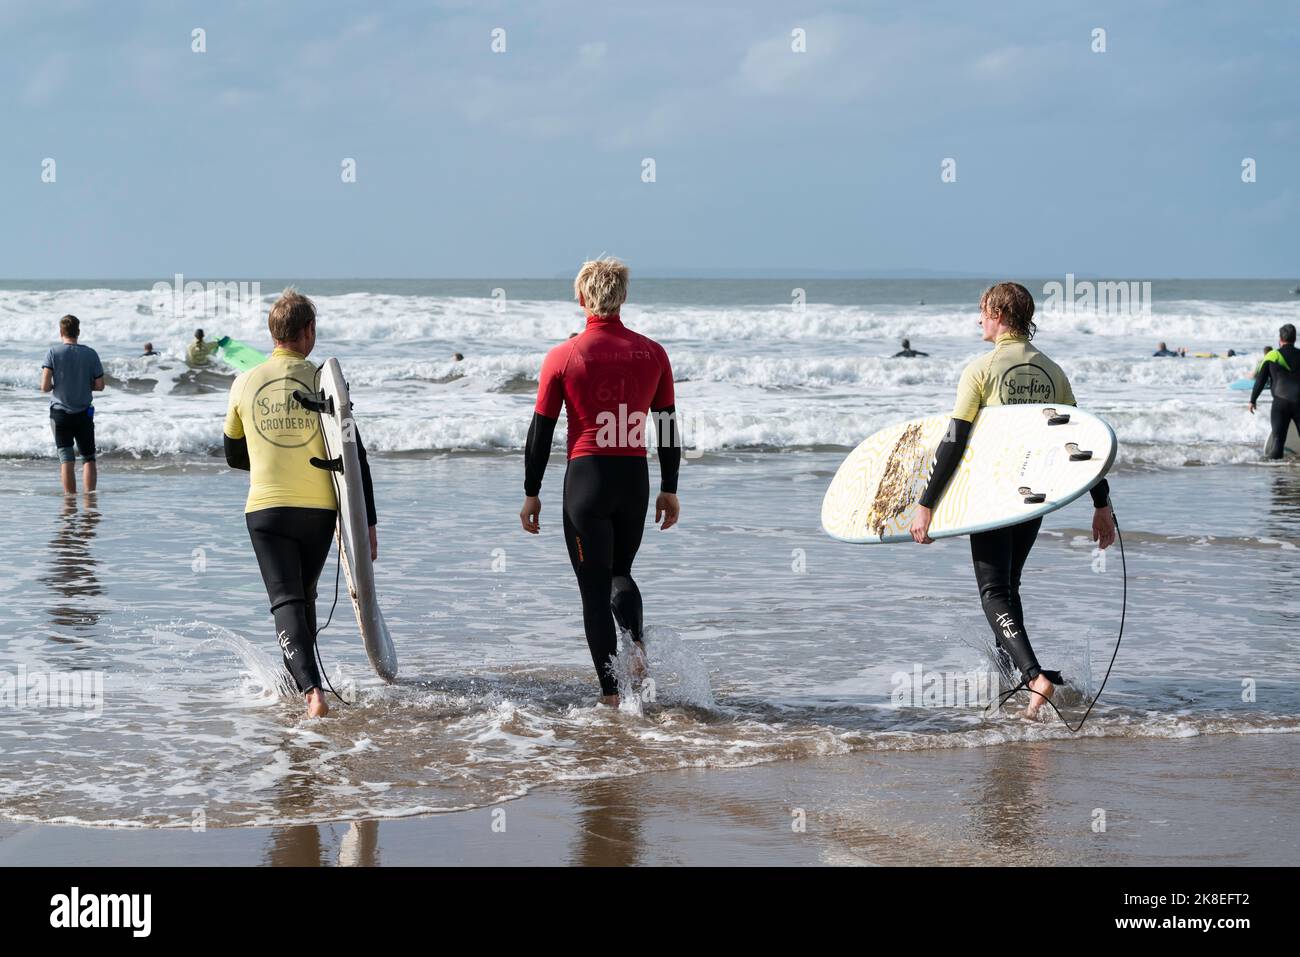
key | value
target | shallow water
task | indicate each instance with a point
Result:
(770, 641)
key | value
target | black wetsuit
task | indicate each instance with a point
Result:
(1280, 371)
(999, 556)
(604, 376)
(605, 502)
(909, 354)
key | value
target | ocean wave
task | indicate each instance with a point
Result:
(116, 316)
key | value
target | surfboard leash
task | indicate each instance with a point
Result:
(338, 565)
(1123, 614)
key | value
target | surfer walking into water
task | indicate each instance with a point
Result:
(1013, 372)
(1280, 372)
(292, 506)
(907, 352)
(606, 378)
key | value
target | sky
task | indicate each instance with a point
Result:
(469, 162)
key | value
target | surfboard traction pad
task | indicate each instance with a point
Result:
(895, 491)
(874, 493)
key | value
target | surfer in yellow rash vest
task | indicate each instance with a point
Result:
(200, 350)
(291, 509)
(1014, 372)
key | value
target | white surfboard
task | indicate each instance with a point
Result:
(353, 533)
(1292, 434)
(1292, 441)
(1022, 461)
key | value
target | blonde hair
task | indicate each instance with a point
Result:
(602, 285)
(292, 313)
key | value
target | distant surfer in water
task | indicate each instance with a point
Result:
(1162, 350)
(1013, 373)
(606, 378)
(1259, 365)
(907, 352)
(200, 351)
(1280, 371)
(291, 508)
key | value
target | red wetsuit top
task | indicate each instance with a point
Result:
(607, 369)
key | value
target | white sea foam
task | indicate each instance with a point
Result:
(748, 377)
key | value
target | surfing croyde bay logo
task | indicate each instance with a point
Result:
(278, 416)
(180, 298)
(1025, 383)
(1130, 298)
(75, 909)
(943, 689)
(73, 690)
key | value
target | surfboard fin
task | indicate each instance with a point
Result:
(1032, 497)
(315, 401)
(328, 465)
(1077, 454)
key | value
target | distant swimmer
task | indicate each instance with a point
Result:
(1259, 365)
(73, 373)
(457, 357)
(606, 379)
(148, 351)
(292, 507)
(200, 351)
(999, 556)
(908, 352)
(1163, 350)
(1280, 371)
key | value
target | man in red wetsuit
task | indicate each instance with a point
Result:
(606, 378)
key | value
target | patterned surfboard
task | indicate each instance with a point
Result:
(1022, 461)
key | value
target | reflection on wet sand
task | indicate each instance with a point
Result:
(1009, 805)
(308, 845)
(609, 832)
(1283, 522)
(72, 573)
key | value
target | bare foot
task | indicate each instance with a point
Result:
(316, 705)
(638, 667)
(609, 700)
(1040, 690)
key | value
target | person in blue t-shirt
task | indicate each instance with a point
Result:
(73, 373)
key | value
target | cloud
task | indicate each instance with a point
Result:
(45, 82)
(771, 66)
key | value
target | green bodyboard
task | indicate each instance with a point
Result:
(240, 355)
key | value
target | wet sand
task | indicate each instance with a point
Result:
(1209, 800)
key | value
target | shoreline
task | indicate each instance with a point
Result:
(1210, 800)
